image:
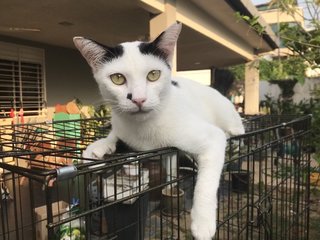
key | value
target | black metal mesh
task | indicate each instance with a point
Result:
(48, 190)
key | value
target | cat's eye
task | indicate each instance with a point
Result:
(154, 75)
(118, 78)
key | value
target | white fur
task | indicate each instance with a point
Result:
(190, 116)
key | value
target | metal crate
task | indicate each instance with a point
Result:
(49, 190)
(265, 186)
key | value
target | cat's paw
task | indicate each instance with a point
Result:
(99, 148)
(236, 131)
(203, 226)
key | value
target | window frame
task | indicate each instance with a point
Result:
(29, 57)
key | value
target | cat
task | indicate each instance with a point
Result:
(151, 109)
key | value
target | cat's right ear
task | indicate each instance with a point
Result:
(167, 40)
(91, 51)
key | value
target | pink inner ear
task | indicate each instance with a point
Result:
(167, 48)
(91, 51)
(169, 38)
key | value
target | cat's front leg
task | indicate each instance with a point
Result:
(210, 164)
(99, 148)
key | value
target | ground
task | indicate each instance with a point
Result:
(315, 214)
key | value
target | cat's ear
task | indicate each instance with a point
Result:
(92, 51)
(167, 40)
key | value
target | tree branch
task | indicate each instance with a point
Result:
(302, 43)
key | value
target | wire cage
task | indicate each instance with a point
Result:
(49, 191)
(264, 190)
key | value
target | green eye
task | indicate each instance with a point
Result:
(153, 75)
(118, 78)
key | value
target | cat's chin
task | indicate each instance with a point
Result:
(140, 115)
(141, 112)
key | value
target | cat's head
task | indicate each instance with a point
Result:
(134, 77)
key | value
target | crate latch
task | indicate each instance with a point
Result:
(66, 172)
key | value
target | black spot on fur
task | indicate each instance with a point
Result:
(129, 96)
(111, 52)
(151, 48)
(175, 83)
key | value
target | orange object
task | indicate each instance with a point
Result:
(59, 108)
(315, 179)
(12, 115)
(72, 108)
(21, 112)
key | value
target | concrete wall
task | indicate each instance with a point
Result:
(304, 91)
(67, 74)
(301, 91)
(200, 76)
(271, 90)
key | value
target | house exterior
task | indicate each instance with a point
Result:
(274, 17)
(39, 66)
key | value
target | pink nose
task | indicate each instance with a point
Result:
(139, 101)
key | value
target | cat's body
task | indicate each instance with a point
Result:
(153, 110)
(188, 107)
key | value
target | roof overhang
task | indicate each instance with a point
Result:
(212, 35)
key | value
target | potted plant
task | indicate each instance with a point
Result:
(172, 201)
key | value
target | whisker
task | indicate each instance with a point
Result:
(104, 102)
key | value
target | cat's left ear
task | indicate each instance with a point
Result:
(91, 51)
(167, 40)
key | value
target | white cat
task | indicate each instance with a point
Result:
(151, 109)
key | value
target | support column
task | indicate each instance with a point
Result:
(251, 85)
(212, 76)
(160, 22)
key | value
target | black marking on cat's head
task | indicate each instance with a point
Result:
(152, 48)
(110, 52)
(163, 46)
(96, 53)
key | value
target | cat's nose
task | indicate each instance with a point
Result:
(138, 101)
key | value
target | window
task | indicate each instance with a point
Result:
(22, 81)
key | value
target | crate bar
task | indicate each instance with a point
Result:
(240, 215)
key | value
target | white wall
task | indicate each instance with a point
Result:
(301, 91)
(271, 90)
(201, 76)
(304, 91)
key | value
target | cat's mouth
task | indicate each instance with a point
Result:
(141, 111)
